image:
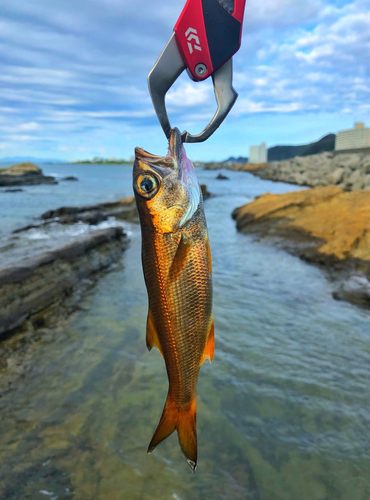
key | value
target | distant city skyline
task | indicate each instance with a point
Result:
(73, 77)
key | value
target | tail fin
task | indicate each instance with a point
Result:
(185, 423)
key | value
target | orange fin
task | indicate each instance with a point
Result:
(152, 339)
(209, 255)
(180, 258)
(187, 432)
(209, 350)
(185, 423)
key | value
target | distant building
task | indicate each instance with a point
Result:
(258, 154)
(356, 137)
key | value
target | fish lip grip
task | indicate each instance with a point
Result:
(206, 36)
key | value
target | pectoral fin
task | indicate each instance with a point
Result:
(180, 259)
(152, 339)
(209, 350)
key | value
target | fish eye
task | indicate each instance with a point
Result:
(146, 185)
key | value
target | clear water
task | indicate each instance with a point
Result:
(283, 411)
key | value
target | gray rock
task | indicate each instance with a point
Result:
(325, 169)
(354, 181)
(336, 176)
(32, 285)
(355, 290)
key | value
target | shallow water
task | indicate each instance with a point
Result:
(283, 411)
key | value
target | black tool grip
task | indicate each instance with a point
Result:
(223, 31)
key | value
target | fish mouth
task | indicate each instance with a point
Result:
(165, 164)
(175, 161)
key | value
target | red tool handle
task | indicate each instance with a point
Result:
(208, 33)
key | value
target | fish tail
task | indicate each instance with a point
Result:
(187, 432)
(185, 422)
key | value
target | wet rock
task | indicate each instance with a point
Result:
(32, 285)
(24, 174)
(92, 217)
(325, 225)
(13, 190)
(124, 209)
(70, 178)
(205, 193)
(356, 290)
(222, 177)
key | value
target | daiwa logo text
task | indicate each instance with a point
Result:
(191, 34)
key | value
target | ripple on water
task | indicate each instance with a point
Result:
(283, 410)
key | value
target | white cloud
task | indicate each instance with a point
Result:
(29, 126)
(188, 94)
(247, 106)
(79, 68)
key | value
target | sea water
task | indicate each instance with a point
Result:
(283, 410)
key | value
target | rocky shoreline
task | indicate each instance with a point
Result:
(349, 171)
(35, 280)
(326, 226)
(35, 284)
(28, 287)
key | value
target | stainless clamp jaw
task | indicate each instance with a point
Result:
(206, 36)
(166, 71)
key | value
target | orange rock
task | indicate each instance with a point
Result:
(340, 220)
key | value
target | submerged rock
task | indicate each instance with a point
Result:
(13, 190)
(222, 177)
(24, 174)
(70, 178)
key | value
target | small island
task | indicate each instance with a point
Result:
(24, 174)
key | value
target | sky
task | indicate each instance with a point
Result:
(73, 77)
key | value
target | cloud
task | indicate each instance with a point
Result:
(78, 69)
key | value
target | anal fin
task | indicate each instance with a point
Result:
(152, 339)
(209, 350)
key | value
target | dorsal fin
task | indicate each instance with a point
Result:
(180, 258)
(152, 339)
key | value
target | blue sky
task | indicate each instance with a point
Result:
(73, 77)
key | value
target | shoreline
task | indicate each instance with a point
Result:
(350, 171)
(36, 280)
(325, 226)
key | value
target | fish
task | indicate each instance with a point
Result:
(177, 266)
